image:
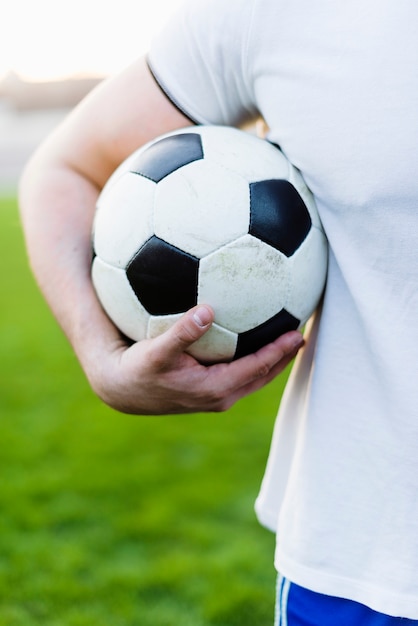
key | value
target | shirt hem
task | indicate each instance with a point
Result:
(379, 599)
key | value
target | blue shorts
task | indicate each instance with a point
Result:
(296, 606)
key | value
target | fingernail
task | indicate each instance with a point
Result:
(202, 316)
(298, 342)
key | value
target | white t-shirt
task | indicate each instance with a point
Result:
(337, 84)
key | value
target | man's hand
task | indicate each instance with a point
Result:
(157, 376)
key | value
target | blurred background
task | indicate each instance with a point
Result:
(52, 54)
(106, 518)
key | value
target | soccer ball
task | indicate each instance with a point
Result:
(211, 215)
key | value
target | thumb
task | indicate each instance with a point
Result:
(188, 329)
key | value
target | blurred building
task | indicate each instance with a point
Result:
(29, 111)
(23, 95)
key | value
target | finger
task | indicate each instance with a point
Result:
(238, 379)
(188, 329)
(251, 371)
(257, 384)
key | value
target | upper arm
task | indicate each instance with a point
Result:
(117, 117)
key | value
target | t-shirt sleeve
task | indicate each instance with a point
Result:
(200, 60)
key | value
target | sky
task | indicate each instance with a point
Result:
(49, 39)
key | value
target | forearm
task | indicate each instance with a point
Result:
(57, 209)
(60, 185)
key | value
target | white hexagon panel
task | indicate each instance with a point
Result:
(194, 216)
(129, 200)
(246, 282)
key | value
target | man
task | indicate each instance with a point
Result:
(336, 84)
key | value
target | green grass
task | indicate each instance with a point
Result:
(119, 520)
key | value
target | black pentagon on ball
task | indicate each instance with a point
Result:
(167, 155)
(252, 340)
(163, 277)
(279, 216)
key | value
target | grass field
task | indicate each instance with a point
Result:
(107, 519)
